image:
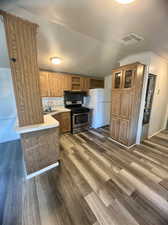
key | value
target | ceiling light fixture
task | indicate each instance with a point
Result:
(56, 60)
(125, 1)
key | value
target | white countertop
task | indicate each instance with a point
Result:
(58, 110)
(49, 122)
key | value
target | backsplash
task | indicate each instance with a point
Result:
(52, 102)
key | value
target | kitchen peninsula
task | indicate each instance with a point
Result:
(39, 133)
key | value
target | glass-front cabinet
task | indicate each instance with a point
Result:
(117, 80)
(128, 78)
(123, 79)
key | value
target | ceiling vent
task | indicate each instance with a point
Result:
(131, 39)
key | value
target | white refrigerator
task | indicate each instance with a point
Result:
(99, 100)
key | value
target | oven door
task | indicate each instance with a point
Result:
(80, 119)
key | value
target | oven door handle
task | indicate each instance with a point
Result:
(81, 114)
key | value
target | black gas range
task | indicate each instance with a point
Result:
(80, 115)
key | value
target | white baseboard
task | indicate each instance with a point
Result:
(42, 170)
(156, 133)
(121, 144)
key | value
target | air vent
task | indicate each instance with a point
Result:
(131, 39)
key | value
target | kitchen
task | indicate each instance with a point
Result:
(69, 92)
(83, 137)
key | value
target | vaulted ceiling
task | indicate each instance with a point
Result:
(87, 34)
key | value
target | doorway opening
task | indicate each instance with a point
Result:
(148, 105)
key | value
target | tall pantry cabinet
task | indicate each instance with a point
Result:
(127, 82)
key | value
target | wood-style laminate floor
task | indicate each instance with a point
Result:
(98, 183)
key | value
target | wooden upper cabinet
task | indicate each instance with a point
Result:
(67, 80)
(124, 78)
(53, 84)
(85, 83)
(116, 100)
(75, 83)
(128, 78)
(96, 83)
(44, 85)
(117, 78)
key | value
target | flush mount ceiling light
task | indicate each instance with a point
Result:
(125, 1)
(56, 60)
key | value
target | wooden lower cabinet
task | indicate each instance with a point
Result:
(41, 149)
(64, 119)
(119, 130)
(126, 101)
(123, 136)
(114, 128)
(65, 122)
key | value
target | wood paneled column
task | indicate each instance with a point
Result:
(22, 48)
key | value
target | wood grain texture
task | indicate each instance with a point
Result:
(98, 182)
(64, 119)
(125, 103)
(22, 48)
(96, 83)
(44, 84)
(53, 84)
(41, 149)
(85, 84)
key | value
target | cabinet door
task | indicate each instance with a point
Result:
(44, 86)
(55, 85)
(67, 80)
(63, 83)
(57, 117)
(52, 84)
(124, 132)
(117, 79)
(65, 122)
(95, 83)
(85, 83)
(128, 78)
(126, 98)
(114, 128)
(115, 103)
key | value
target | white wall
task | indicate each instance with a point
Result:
(8, 112)
(157, 66)
(108, 82)
(108, 88)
